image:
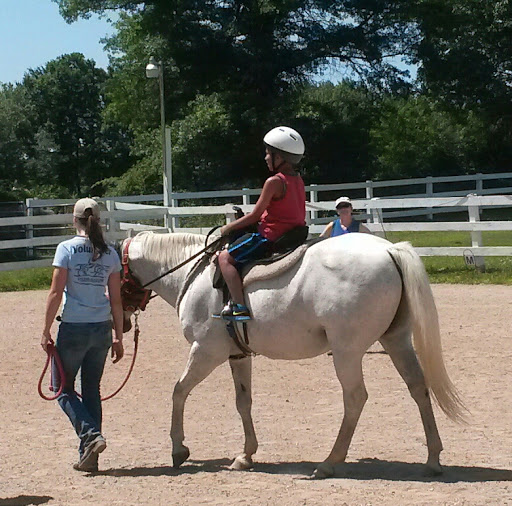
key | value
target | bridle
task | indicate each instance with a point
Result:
(134, 294)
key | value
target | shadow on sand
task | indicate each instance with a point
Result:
(25, 500)
(364, 469)
(190, 467)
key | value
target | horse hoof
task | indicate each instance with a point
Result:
(241, 463)
(433, 470)
(324, 470)
(179, 457)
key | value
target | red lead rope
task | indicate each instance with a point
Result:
(52, 355)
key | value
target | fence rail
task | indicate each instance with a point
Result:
(126, 213)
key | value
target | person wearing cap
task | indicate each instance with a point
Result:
(85, 268)
(345, 224)
(280, 208)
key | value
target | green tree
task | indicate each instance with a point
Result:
(201, 144)
(243, 66)
(72, 147)
(16, 136)
(145, 176)
(464, 53)
(417, 137)
(337, 121)
(252, 57)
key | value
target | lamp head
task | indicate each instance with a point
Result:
(152, 68)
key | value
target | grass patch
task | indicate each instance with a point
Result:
(453, 269)
(26, 279)
(453, 239)
(498, 271)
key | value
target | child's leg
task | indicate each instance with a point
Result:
(231, 276)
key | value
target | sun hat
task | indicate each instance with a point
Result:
(343, 201)
(81, 206)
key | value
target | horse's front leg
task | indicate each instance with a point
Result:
(201, 362)
(241, 371)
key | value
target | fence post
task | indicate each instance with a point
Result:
(429, 193)
(479, 184)
(313, 198)
(376, 218)
(369, 188)
(112, 226)
(476, 236)
(174, 222)
(230, 216)
(167, 189)
(369, 196)
(29, 229)
(246, 198)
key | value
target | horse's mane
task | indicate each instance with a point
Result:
(168, 249)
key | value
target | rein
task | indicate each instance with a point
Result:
(195, 255)
(53, 357)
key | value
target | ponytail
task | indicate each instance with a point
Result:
(93, 230)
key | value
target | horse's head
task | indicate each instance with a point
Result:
(145, 255)
(133, 296)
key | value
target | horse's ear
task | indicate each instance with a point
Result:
(131, 233)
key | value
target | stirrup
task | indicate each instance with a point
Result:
(234, 312)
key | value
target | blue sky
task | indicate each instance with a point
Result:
(32, 33)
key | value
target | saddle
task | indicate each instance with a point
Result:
(285, 253)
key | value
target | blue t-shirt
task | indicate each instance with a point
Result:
(85, 298)
(337, 230)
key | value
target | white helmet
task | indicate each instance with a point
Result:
(287, 142)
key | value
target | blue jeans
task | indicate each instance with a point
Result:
(83, 346)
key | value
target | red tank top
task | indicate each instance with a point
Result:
(286, 213)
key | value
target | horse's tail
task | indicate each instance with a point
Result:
(425, 327)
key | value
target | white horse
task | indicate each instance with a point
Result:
(345, 294)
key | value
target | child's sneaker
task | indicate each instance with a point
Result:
(235, 312)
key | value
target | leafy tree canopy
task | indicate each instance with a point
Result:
(15, 135)
(418, 136)
(264, 45)
(465, 51)
(72, 147)
(236, 68)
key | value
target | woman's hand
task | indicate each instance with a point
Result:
(117, 350)
(46, 339)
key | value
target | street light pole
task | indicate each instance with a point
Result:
(155, 69)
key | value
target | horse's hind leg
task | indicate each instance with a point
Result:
(241, 371)
(349, 370)
(200, 364)
(397, 344)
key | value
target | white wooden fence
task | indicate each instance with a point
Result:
(126, 213)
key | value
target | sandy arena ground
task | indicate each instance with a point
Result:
(297, 411)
